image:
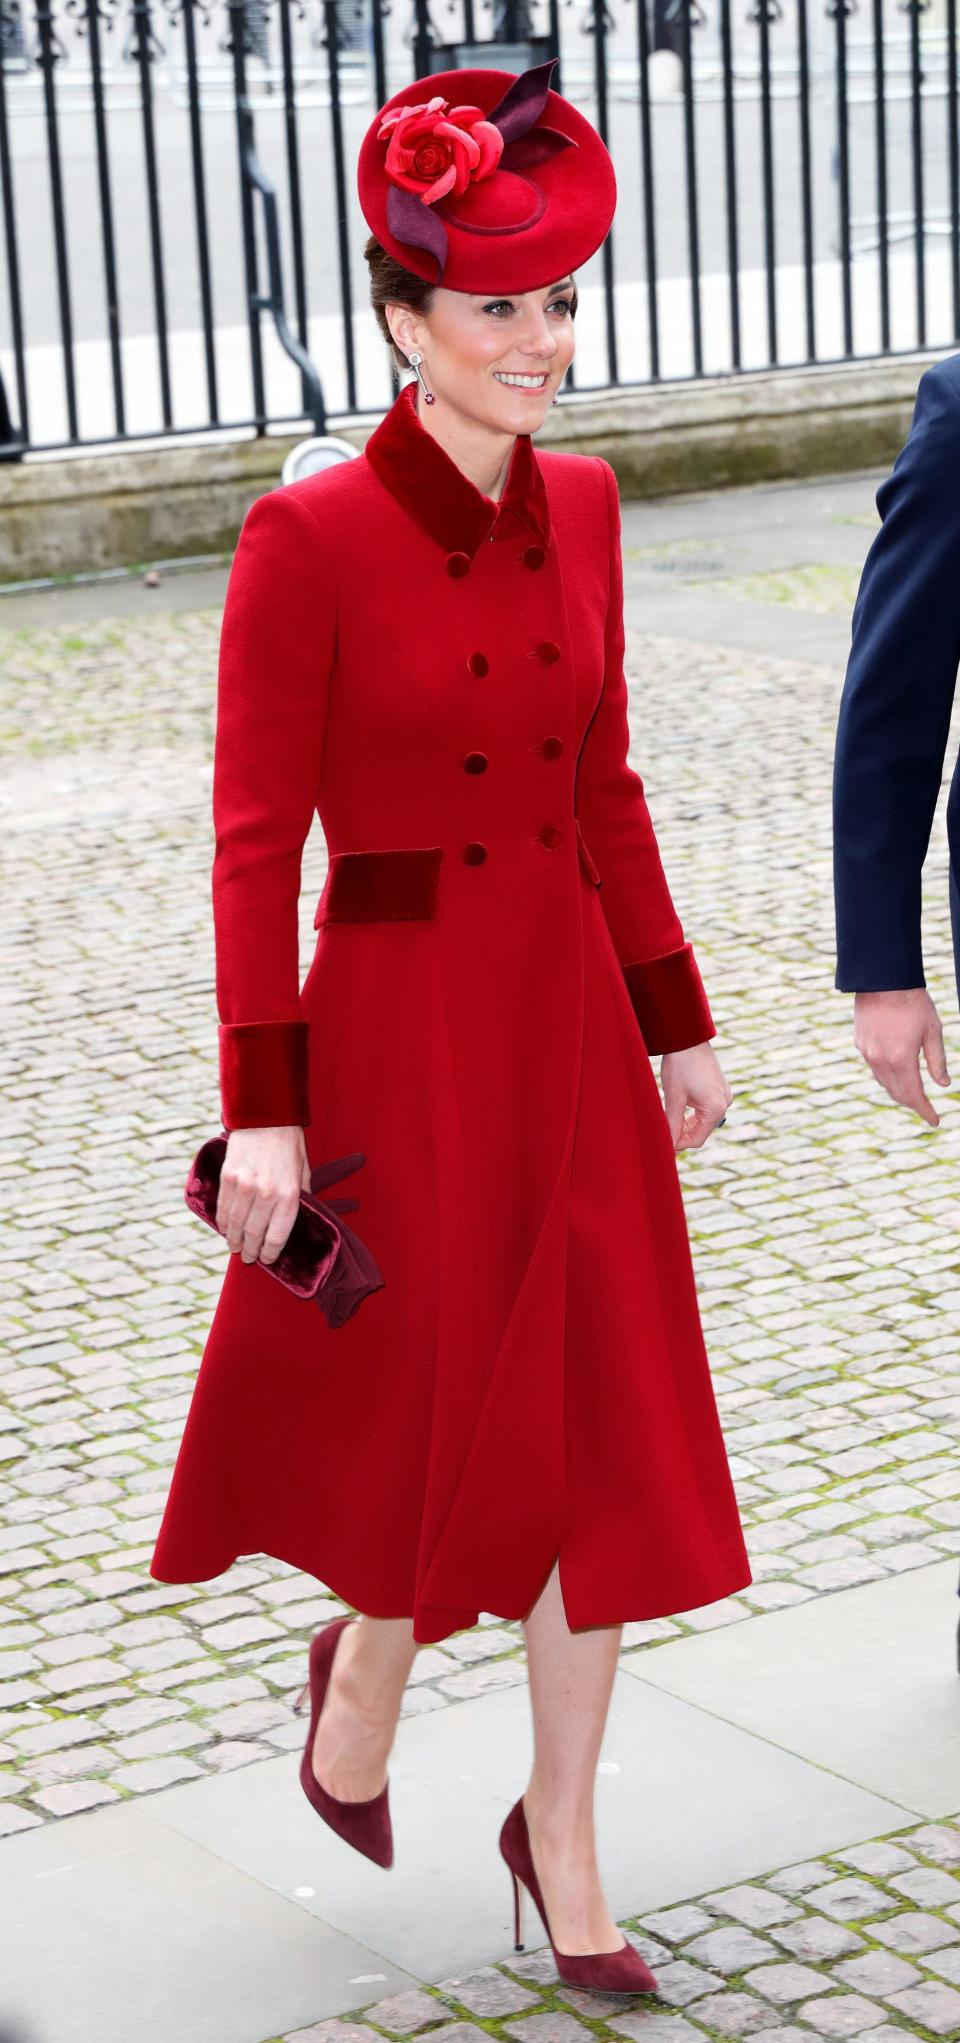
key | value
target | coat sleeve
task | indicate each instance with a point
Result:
(896, 703)
(659, 966)
(277, 646)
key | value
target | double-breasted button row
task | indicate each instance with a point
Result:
(550, 837)
(477, 762)
(551, 747)
(459, 563)
(548, 651)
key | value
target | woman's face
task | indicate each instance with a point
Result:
(473, 345)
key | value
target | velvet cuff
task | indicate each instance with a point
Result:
(669, 1001)
(263, 1074)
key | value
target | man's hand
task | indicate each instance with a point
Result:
(693, 1078)
(890, 1030)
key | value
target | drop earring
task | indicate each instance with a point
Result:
(415, 360)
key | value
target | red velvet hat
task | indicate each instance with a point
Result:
(486, 180)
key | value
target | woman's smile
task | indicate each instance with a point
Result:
(517, 381)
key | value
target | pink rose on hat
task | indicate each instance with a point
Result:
(435, 148)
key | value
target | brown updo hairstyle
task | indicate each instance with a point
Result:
(391, 284)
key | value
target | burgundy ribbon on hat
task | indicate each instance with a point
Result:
(410, 220)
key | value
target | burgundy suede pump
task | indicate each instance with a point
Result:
(365, 1825)
(621, 1971)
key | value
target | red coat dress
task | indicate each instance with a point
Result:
(441, 677)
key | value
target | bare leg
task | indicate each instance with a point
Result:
(358, 1721)
(571, 1679)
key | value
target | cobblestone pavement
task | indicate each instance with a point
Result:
(863, 1943)
(824, 1219)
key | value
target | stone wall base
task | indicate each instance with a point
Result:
(64, 515)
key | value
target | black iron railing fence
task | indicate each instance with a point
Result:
(181, 245)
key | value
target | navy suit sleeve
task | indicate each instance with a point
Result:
(897, 701)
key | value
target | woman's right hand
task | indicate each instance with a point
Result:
(264, 1171)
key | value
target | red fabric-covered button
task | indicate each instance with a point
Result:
(552, 748)
(474, 854)
(478, 663)
(533, 556)
(476, 762)
(458, 563)
(548, 650)
(550, 836)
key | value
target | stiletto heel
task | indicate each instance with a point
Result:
(622, 1971)
(365, 1825)
(519, 1899)
(301, 1699)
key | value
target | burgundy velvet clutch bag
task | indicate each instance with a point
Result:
(321, 1258)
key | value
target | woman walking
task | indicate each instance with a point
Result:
(425, 645)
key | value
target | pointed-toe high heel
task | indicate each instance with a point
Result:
(365, 1825)
(621, 1971)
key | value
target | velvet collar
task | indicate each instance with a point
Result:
(427, 482)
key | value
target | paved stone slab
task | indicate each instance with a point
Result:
(936, 1841)
(787, 2034)
(816, 1941)
(854, 1900)
(154, 1933)
(448, 1782)
(782, 1983)
(552, 2026)
(915, 1932)
(945, 1963)
(936, 2007)
(678, 1923)
(655, 2028)
(405, 2013)
(488, 1993)
(842, 2014)
(755, 1907)
(731, 1948)
(779, 1678)
(877, 1972)
(332, 2032)
(678, 1982)
(879, 1859)
(732, 2014)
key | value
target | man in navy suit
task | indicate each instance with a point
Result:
(891, 740)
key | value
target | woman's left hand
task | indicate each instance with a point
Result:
(693, 1078)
